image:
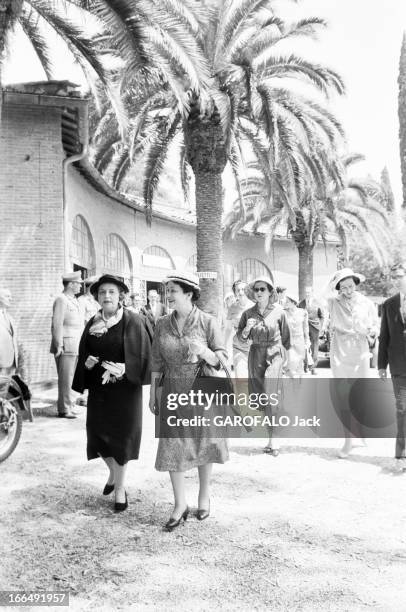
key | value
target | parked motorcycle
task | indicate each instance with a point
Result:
(14, 398)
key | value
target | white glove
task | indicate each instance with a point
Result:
(114, 371)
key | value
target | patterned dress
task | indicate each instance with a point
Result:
(170, 355)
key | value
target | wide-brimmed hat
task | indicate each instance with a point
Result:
(268, 280)
(108, 278)
(185, 277)
(72, 277)
(340, 275)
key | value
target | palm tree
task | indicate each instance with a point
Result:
(248, 97)
(402, 115)
(36, 18)
(141, 32)
(340, 204)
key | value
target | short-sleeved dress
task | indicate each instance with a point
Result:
(114, 410)
(268, 337)
(170, 355)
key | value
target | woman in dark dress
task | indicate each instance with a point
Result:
(266, 326)
(113, 363)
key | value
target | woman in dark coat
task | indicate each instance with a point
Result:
(113, 363)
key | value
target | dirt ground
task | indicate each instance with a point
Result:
(302, 532)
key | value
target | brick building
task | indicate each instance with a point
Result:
(58, 213)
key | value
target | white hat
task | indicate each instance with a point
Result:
(340, 275)
(72, 277)
(188, 278)
(268, 280)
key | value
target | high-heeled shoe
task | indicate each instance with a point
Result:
(173, 523)
(108, 488)
(271, 451)
(202, 514)
(121, 506)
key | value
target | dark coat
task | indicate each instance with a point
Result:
(161, 310)
(392, 338)
(137, 353)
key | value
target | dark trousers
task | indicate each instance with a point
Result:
(314, 346)
(399, 389)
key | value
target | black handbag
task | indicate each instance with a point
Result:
(208, 379)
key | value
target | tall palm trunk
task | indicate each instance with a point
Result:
(207, 157)
(305, 268)
(9, 12)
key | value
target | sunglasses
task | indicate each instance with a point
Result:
(396, 276)
(256, 289)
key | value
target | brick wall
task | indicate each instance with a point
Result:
(31, 228)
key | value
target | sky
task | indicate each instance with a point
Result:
(362, 43)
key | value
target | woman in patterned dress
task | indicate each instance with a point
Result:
(182, 340)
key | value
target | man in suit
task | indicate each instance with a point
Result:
(67, 327)
(392, 351)
(316, 321)
(153, 309)
(8, 336)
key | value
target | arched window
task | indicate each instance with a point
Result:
(81, 245)
(116, 257)
(156, 257)
(191, 264)
(250, 268)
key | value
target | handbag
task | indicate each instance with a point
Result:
(159, 384)
(309, 358)
(210, 380)
(371, 341)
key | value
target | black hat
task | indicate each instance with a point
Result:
(108, 278)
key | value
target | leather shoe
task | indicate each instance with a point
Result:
(202, 514)
(173, 523)
(121, 506)
(271, 451)
(108, 488)
(68, 415)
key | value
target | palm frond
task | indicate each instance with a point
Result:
(155, 159)
(323, 78)
(29, 22)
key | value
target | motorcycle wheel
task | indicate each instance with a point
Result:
(11, 423)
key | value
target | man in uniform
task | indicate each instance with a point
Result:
(67, 327)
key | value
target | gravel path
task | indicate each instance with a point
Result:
(301, 532)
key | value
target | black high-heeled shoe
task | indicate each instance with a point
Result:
(121, 506)
(108, 488)
(173, 523)
(203, 514)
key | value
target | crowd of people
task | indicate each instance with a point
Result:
(108, 344)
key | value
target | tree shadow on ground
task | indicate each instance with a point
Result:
(326, 453)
